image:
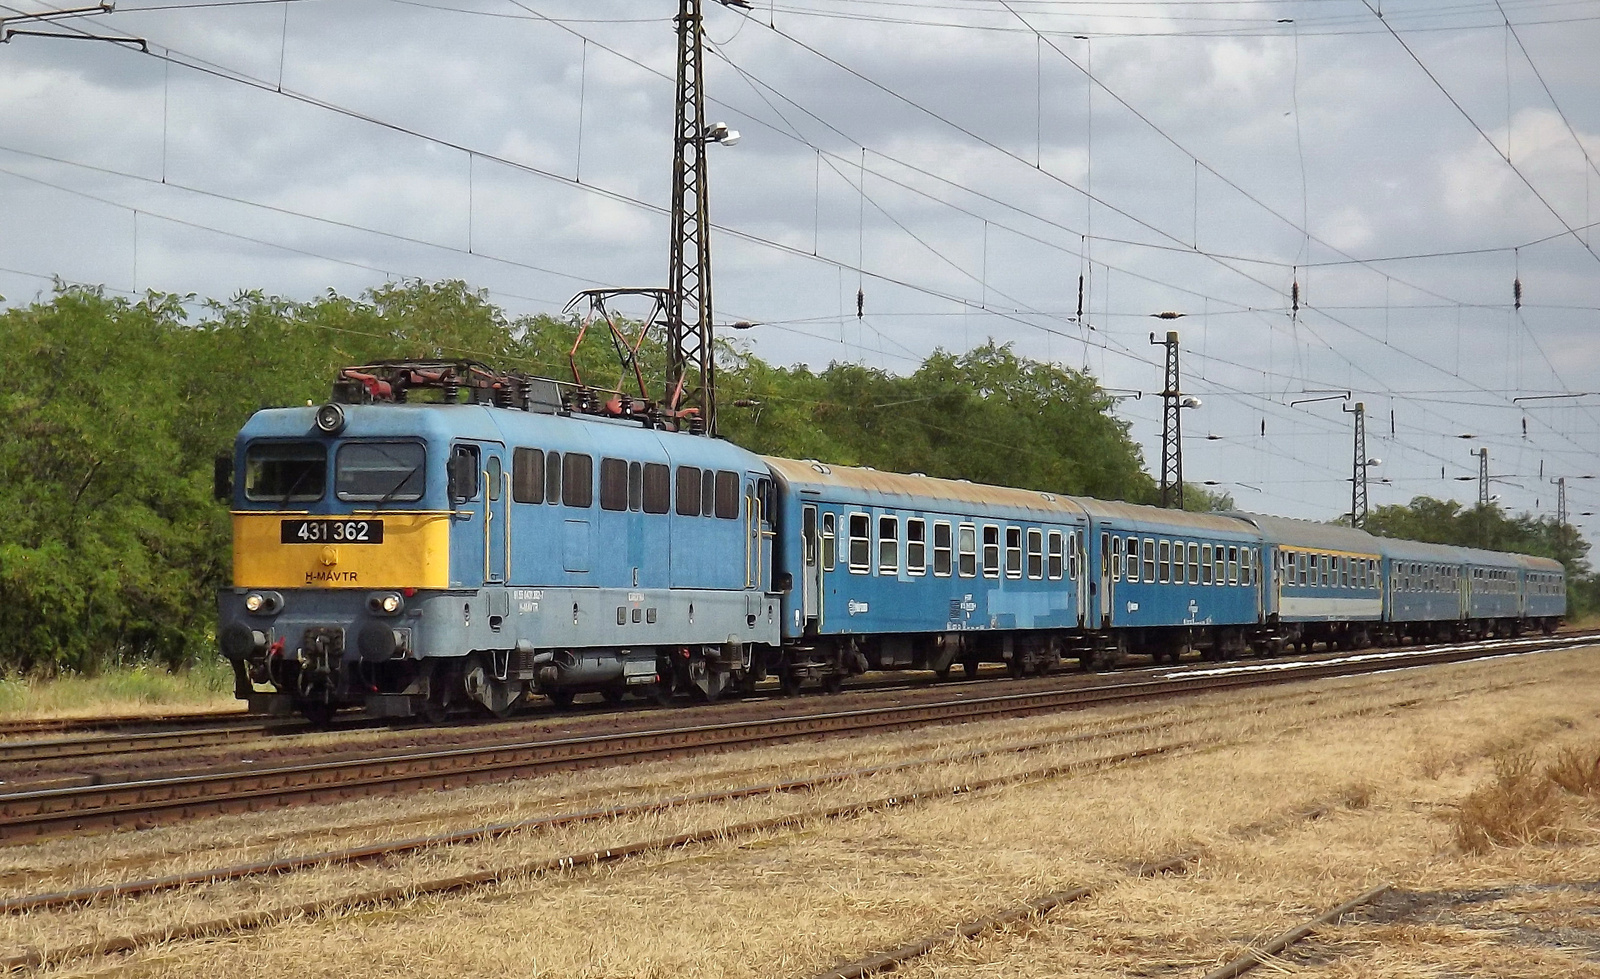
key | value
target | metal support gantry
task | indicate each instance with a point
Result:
(691, 364)
(1171, 427)
(1358, 475)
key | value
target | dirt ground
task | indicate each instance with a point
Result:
(1292, 801)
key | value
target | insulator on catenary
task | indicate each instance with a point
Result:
(1263, 426)
(861, 302)
(1516, 293)
(1294, 297)
(1080, 298)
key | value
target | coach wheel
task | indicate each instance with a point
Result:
(833, 682)
(1017, 666)
(943, 672)
(969, 669)
(789, 682)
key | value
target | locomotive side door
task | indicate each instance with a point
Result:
(467, 507)
(496, 525)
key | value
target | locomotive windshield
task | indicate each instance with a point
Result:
(285, 472)
(380, 472)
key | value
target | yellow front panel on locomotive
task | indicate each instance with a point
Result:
(282, 550)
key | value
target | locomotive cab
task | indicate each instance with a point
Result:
(342, 522)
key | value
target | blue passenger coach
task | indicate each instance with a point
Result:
(1167, 580)
(893, 571)
(1325, 582)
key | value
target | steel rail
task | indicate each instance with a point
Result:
(44, 749)
(78, 809)
(285, 865)
(1252, 957)
(29, 958)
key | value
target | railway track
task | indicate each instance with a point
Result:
(205, 729)
(84, 809)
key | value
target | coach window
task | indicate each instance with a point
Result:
(827, 541)
(1035, 553)
(1149, 559)
(688, 490)
(552, 477)
(527, 475)
(1205, 564)
(1166, 561)
(943, 550)
(1013, 552)
(967, 549)
(727, 495)
(1247, 566)
(577, 480)
(1233, 565)
(1053, 555)
(888, 545)
(1194, 563)
(916, 546)
(860, 544)
(1118, 562)
(991, 551)
(613, 484)
(1133, 559)
(1074, 553)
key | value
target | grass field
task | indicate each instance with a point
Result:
(1467, 786)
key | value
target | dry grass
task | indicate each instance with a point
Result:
(120, 690)
(792, 903)
(1519, 806)
(1526, 802)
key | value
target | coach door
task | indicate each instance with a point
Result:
(811, 576)
(1106, 605)
(1078, 565)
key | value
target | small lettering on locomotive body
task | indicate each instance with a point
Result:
(331, 577)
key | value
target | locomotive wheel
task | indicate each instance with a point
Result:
(614, 695)
(789, 683)
(1017, 667)
(561, 697)
(943, 674)
(833, 682)
(318, 712)
(970, 668)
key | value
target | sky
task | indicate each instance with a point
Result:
(1338, 196)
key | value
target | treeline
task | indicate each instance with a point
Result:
(113, 410)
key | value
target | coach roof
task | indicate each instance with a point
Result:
(1288, 532)
(900, 490)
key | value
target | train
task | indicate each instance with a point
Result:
(442, 536)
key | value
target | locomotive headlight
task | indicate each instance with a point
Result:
(391, 603)
(385, 603)
(253, 603)
(330, 419)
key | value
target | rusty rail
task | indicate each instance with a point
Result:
(77, 809)
(29, 958)
(1252, 957)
